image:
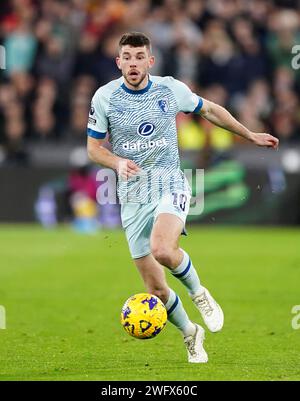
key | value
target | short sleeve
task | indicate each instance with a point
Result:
(97, 122)
(188, 101)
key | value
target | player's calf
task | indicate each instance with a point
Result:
(162, 293)
(187, 274)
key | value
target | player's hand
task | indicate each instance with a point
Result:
(127, 168)
(263, 139)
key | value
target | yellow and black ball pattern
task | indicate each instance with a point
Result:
(143, 316)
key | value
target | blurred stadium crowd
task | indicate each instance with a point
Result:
(234, 52)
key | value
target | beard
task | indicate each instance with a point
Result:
(133, 82)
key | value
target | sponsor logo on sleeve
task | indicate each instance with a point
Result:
(92, 110)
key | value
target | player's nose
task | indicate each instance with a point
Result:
(133, 62)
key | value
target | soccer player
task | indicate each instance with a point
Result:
(138, 111)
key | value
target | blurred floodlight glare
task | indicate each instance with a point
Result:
(79, 157)
(291, 161)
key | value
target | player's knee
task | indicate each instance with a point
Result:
(162, 254)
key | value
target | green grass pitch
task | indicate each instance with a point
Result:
(63, 293)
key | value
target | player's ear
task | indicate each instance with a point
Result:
(118, 62)
(151, 61)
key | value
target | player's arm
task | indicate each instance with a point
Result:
(101, 155)
(96, 132)
(222, 118)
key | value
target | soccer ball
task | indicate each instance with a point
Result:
(143, 316)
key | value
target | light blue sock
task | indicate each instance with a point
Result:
(178, 316)
(188, 275)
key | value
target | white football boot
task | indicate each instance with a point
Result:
(210, 310)
(194, 346)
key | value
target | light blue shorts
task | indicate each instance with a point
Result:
(138, 219)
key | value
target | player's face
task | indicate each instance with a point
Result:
(135, 62)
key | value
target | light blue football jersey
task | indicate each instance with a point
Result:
(142, 127)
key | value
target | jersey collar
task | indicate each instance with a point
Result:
(137, 92)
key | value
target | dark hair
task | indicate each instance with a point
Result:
(135, 39)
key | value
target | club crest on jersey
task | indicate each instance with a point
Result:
(163, 105)
(145, 129)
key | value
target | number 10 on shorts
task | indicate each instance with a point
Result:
(179, 200)
(2, 317)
